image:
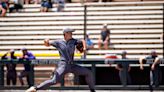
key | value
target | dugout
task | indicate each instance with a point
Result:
(110, 76)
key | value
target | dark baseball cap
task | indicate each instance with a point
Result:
(153, 51)
(68, 30)
(123, 52)
(23, 49)
(12, 50)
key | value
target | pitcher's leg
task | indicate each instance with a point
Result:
(58, 74)
(50, 82)
(78, 70)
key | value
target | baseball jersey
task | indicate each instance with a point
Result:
(30, 57)
(11, 66)
(66, 48)
(151, 57)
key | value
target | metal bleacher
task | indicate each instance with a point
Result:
(135, 27)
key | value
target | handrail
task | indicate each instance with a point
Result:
(78, 61)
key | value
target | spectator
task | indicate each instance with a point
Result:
(60, 5)
(11, 68)
(124, 70)
(4, 5)
(104, 37)
(26, 72)
(46, 5)
(17, 6)
(155, 76)
(89, 43)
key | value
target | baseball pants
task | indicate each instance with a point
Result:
(64, 68)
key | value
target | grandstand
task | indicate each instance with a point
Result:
(136, 27)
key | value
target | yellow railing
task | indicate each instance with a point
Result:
(43, 54)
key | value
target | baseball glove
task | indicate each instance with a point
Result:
(80, 47)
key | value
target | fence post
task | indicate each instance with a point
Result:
(1, 75)
(32, 81)
(85, 27)
(93, 69)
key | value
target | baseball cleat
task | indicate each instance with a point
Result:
(31, 89)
